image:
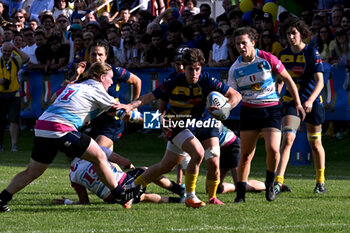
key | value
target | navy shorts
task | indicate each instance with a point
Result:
(206, 133)
(260, 118)
(229, 156)
(73, 144)
(108, 126)
(315, 117)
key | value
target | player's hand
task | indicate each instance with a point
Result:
(80, 68)
(300, 111)
(307, 106)
(126, 107)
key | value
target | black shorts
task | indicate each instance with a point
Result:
(229, 156)
(73, 144)
(315, 117)
(206, 133)
(10, 107)
(108, 126)
(260, 118)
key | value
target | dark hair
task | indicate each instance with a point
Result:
(56, 3)
(156, 33)
(218, 30)
(175, 26)
(146, 39)
(329, 39)
(298, 24)
(251, 32)
(99, 43)
(27, 29)
(39, 33)
(192, 56)
(193, 1)
(54, 38)
(205, 5)
(187, 32)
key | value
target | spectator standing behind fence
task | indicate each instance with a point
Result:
(219, 55)
(322, 43)
(269, 43)
(10, 103)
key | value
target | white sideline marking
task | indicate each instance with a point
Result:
(214, 228)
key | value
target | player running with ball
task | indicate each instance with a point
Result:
(186, 94)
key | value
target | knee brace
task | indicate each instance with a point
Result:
(185, 162)
(314, 136)
(212, 152)
(289, 129)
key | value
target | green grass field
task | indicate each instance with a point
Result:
(300, 211)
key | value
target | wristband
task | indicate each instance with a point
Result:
(67, 202)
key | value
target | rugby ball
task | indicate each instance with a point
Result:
(217, 99)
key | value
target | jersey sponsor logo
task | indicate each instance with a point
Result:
(298, 70)
(300, 58)
(151, 120)
(287, 58)
(255, 87)
(181, 91)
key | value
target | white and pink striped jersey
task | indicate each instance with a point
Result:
(83, 173)
(256, 79)
(74, 107)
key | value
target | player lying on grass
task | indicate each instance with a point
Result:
(83, 176)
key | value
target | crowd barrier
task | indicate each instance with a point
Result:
(39, 89)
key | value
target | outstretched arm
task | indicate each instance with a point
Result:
(82, 194)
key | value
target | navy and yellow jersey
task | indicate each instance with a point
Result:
(302, 67)
(188, 100)
(119, 75)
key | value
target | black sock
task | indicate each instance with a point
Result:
(241, 189)
(270, 178)
(5, 196)
(176, 188)
(174, 200)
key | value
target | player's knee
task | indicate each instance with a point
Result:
(314, 137)
(212, 152)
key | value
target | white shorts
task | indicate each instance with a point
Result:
(176, 144)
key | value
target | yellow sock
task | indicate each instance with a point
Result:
(279, 179)
(141, 181)
(320, 175)
(212, 187)
(190, 182)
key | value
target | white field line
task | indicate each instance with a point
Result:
(208, 228)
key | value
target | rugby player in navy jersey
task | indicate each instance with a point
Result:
(186, 94)
(107, 129)
(304, 64)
